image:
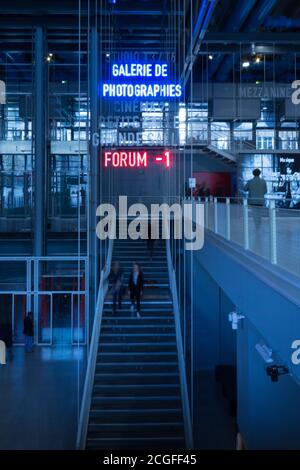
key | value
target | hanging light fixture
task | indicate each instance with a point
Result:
(245, 63)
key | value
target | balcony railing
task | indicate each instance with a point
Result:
(270, 232)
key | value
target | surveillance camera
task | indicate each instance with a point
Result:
(235, 318)
(275, 371)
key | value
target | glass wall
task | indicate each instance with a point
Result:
(67, 174)
(16, 118)
(16, 175)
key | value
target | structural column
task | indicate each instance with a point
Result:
(39, 142)
(93, 199)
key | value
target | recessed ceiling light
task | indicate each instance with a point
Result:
(246, 64)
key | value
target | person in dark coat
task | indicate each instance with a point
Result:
(135, 288)
(6, 336)
(28, 332)
(116, 279)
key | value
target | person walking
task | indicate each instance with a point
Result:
(6, 337)
(135, 288)
(257, 188)
(2, 353)
(116, 279)
(8, 340)
(28, 332)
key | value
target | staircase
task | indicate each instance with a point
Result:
(136, 400)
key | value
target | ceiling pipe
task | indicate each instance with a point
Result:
(282, 22)
(202, 22)
(254, 20)
(234, 24)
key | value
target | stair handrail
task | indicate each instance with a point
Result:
(235, 145)
(93, 351)
(188, 428)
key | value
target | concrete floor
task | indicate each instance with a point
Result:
(40, 398)
(40, 395)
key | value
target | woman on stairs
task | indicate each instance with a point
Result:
(116, 279)
(135, 288)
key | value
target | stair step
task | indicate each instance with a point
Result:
(159, 258)
(137, 328)
(161, 442)
(124, 337)
(117, 321)
(136, 402)
(137, 375)
(135, 390)
(144, 262)
(136, 356)
(119, 430)
(146, 303)
(150, 281)
(137, 348)
(134, 366)
(140, 415)
(159, 308)
(127, 316)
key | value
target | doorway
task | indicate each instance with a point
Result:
(12, 314)
(61, 318)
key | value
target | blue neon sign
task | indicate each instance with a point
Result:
(137, 80)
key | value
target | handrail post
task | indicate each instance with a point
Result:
(273, 232)
(246, 223)
(216, 215)
(228, 218)
(206, 212)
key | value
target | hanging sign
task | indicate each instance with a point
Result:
(141, 81)
(136, 158)
(192, 183)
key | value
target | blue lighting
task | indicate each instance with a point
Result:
(129, 90)
(140, 70)
(140, 80)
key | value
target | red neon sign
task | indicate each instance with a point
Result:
(135, 158)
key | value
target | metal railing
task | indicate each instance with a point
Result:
(92, 358)
(270, 232)
(188, 429)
